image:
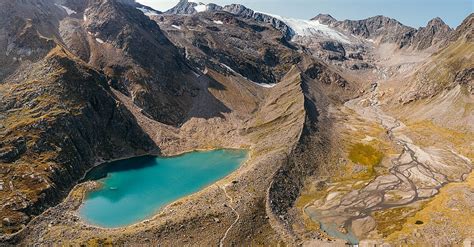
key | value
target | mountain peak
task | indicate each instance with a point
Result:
(466, 29)
(436, 22)
(324, 18)
(190, 7)
(183, 7)
(436, 33)
(239, 9)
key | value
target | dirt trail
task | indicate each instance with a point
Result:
(237, 217)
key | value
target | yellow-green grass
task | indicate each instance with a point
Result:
(366, 155)
(448, 62)
(450, 211)
(426, 133)
(391, 220)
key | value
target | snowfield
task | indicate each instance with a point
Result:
(256, 83)
(201, 7)
(307, 28)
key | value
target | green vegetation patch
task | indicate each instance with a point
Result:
(366, 155)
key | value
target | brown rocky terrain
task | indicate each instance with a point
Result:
(357, 131)
(257, 52)
(57, 121)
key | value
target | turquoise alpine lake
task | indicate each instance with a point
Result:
(134, 189)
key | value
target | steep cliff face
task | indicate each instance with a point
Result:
(58, 115)
(57, 120)
(143, 63)
(324, 19)
(465, 29)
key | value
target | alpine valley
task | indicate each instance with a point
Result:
(337, 131)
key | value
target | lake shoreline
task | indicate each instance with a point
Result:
(188, 173)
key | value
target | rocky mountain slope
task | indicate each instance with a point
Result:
(58, 120)
(444, 83)
(356, 129)
(254, 51)
(120, 39)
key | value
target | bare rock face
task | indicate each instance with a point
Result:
(379, 27)
(324, 19)
(319, 72)
(144, 64)
(435, 32)
(439, 73)
(465, 30)
(247, 72)
(129, 2)
(240, 10)
(336, 50)
(387, 30)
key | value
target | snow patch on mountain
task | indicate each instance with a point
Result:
(256, 83)
(177, 27)
(218, 22)
(200, 7)
(265, 85)
(148, 12)
(68, 10)
(306, 28)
